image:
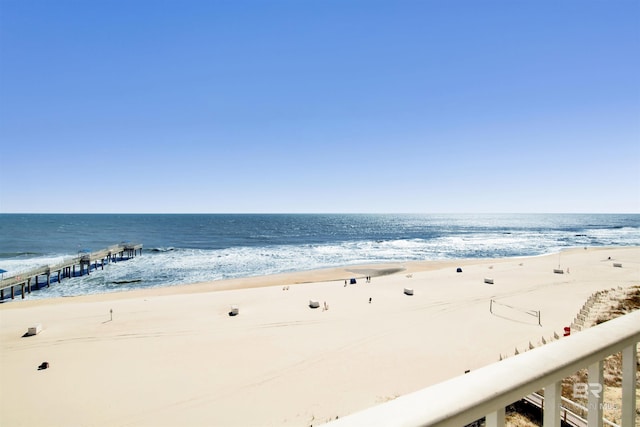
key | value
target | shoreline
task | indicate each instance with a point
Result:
(329, 274)
(173, 356)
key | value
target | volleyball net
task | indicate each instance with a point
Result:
(513, 312)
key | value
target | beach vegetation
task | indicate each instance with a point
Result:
(612, 365)
(521, 414)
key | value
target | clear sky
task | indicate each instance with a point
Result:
(319, 106)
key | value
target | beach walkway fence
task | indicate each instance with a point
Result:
(486, 392)
(25, 281)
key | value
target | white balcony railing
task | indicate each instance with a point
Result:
(488, 390)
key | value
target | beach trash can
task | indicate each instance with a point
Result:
(35, 329)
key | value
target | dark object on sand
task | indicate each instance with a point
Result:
(352, 281)
(43, 365)
(459, 270)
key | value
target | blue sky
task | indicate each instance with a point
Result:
(319, 106)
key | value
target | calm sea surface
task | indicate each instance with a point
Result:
(182, 249)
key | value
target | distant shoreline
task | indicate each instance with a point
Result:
(331, 274)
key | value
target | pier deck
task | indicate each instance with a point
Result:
(67, 268)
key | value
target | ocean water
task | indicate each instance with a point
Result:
(180, 249)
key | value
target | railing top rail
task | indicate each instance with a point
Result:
(464, 399)
(17, 277)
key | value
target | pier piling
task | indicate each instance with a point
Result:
(67, 268)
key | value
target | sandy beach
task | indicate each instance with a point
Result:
(174, 357)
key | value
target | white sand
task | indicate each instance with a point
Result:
(173, 357)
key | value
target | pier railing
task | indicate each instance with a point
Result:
(82, 259)
(487, 391)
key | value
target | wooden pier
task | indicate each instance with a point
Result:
(71, 267)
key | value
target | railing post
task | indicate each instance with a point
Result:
(551, 411)
(629, 357)
(596, 394)
(499, 384)
(495, 419)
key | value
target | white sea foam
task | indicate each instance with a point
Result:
(180, 265)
